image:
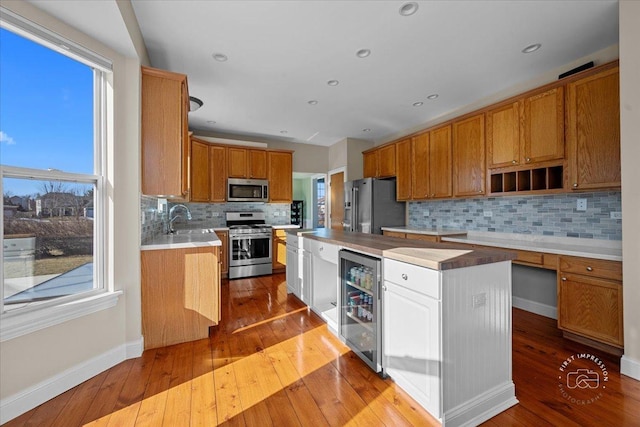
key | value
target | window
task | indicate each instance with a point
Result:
(52, 127)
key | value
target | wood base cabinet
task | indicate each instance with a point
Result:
(590, 299)
(223, 235)
(180, 295)
(279, 250)
(447, 338)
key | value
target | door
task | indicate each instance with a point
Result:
(336, 200)
(411, 343)
(403, 170)
(292, 270)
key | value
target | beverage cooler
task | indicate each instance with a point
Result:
(360, 309)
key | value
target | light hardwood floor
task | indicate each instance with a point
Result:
(272, 362)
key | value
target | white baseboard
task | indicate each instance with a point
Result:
(535, 307)
(630, 367)
(134, 348)
(482, 407)
(27, 399)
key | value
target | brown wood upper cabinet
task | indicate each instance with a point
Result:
(280, 176)
(208, 172)
(165, 134)
(380, 163)
(247, 163)
(404, 170)
(468, 156)
(431, 164)
(200, 179)
(526, 131)
(593, 131)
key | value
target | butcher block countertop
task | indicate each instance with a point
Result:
(436, 256)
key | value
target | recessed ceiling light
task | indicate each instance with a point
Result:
(363, 53)
(408, 9)
(211, 122)
(531, 48)
(366, 130)
(333, 83)
(312, 102)
(432, 96)
(418, 104)
(221, 57)
(283, 132)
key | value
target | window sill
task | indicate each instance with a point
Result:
(17, 324)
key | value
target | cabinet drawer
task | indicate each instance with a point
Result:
(591, 267)
(394, 234)
(326, 251)
(423, 237)
(418, 279)
(280, 233)
(530, 257)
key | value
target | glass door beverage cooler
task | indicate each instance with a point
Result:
(360, 309)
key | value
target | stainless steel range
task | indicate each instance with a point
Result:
(249, 244)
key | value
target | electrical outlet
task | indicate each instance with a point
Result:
(142, 217)
(487, 214)
(425, 213)
(581, 205)
(215, 214)
(616, 215)
(479, 300)
(276, 213)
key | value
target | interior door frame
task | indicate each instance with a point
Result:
(342, 169)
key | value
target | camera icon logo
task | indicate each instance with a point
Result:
(583, 378)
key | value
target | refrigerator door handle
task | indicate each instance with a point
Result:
(354, 209)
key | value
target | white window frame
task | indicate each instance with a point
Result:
(39, 315)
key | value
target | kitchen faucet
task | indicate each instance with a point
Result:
(173, 218)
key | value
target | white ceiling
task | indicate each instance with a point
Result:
(282, 53)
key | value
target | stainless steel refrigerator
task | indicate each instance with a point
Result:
(370, 204)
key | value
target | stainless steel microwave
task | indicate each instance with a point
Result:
(247, 190)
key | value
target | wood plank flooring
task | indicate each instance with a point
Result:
(272, 362)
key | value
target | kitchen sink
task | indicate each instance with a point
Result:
(194, 231)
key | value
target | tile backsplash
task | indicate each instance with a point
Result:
(548, 215)
(206, 215)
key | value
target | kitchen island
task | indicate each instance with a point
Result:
(446, 317)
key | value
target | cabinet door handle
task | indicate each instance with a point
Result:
(564, 279)
(384, 288)
(589, 268)
(527, 159)
(321, 249)
(575, 185)
(514, 162)
(404, 276)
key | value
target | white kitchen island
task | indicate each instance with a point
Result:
(446, 322)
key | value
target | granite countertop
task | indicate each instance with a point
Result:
(437, 256)
(589, 248)
(427, 231)
(180, 241)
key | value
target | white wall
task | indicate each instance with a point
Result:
(630, 141)
(64, 355)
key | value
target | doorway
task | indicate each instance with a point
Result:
(319, 202)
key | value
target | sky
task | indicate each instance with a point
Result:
(46, 111)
